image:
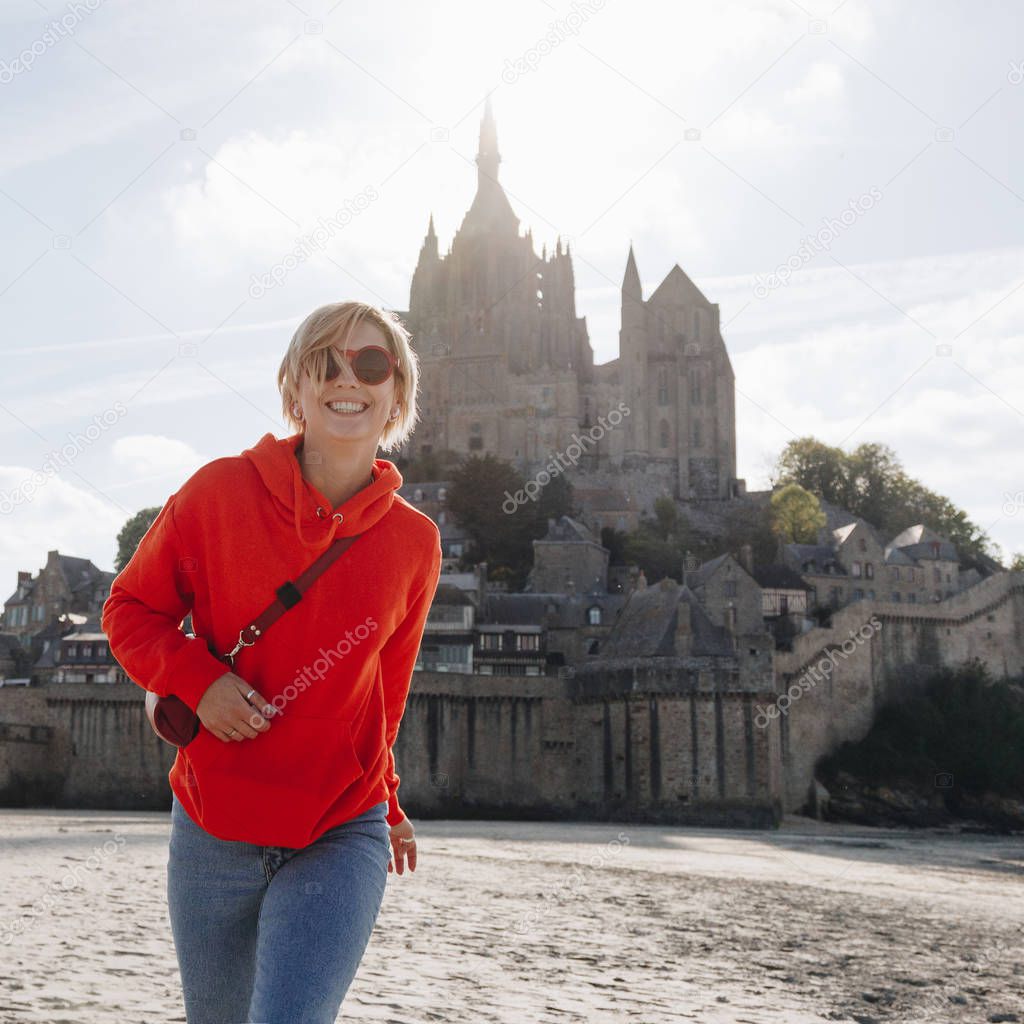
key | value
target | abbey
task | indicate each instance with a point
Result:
(507, 365)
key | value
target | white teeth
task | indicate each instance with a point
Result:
(347, 406)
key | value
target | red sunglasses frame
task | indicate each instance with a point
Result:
(352, 355)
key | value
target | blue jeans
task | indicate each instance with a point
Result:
(271, 934)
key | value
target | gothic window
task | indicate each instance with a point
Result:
(662, 387)
(695, 396)
(663, 434)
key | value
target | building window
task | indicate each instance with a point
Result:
(662, 387)
(729, 588)
(695, 395)
(72, 650)
(896, 573)
(695, 433)
(663, 434)
(528, 642)
(896, 596)
(869, 570)
(858, 594)
(936, 575)
(862, 544)
(442, 494)
(856, 568)
(912, 598)
(417, 495)
(476, 444)
(594, 616)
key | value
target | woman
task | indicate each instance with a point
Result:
(285, 815)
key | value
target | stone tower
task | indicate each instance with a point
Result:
(507, 366)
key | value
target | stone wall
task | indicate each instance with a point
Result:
(985, 622)
(663, 740)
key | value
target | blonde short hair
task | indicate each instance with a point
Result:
(308, 351)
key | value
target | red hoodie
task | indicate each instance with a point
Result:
(340, 661)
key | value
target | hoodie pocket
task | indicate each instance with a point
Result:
(273, 789)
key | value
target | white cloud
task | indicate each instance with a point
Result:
(822, 81)
(152, 456)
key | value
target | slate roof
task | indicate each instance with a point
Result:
(920, 543)
(821, 554)
(647, 624)
(779, 577)
(79, 573)
(698, 577)
(566, 610)
(565, 529)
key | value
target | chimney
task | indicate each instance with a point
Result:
(24, 577)
(746, 558)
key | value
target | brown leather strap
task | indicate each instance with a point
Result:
(290, 594)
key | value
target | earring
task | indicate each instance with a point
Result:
(394, 413)
(297, 411)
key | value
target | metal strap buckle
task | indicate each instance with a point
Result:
(242, 642)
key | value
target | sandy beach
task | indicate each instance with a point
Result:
(530, 923)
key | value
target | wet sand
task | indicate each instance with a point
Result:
(530, 923)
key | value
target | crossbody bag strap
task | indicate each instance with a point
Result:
(289, 594)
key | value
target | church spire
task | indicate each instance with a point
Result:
(631, 280)
(487, 157)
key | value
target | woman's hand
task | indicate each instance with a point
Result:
(403, 843)
(233, 710)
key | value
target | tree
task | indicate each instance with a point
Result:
(503, 514)
(750, 524)
(1017, 565)
(661, 544)
(871, 483)
(131, 533)
(796, 515)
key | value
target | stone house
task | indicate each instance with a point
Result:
(65, 584)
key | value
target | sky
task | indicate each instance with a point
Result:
(844, 179)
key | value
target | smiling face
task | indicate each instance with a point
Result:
(360, 411)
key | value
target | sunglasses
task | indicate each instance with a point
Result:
(370, 364)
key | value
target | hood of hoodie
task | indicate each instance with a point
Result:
(316, 524)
